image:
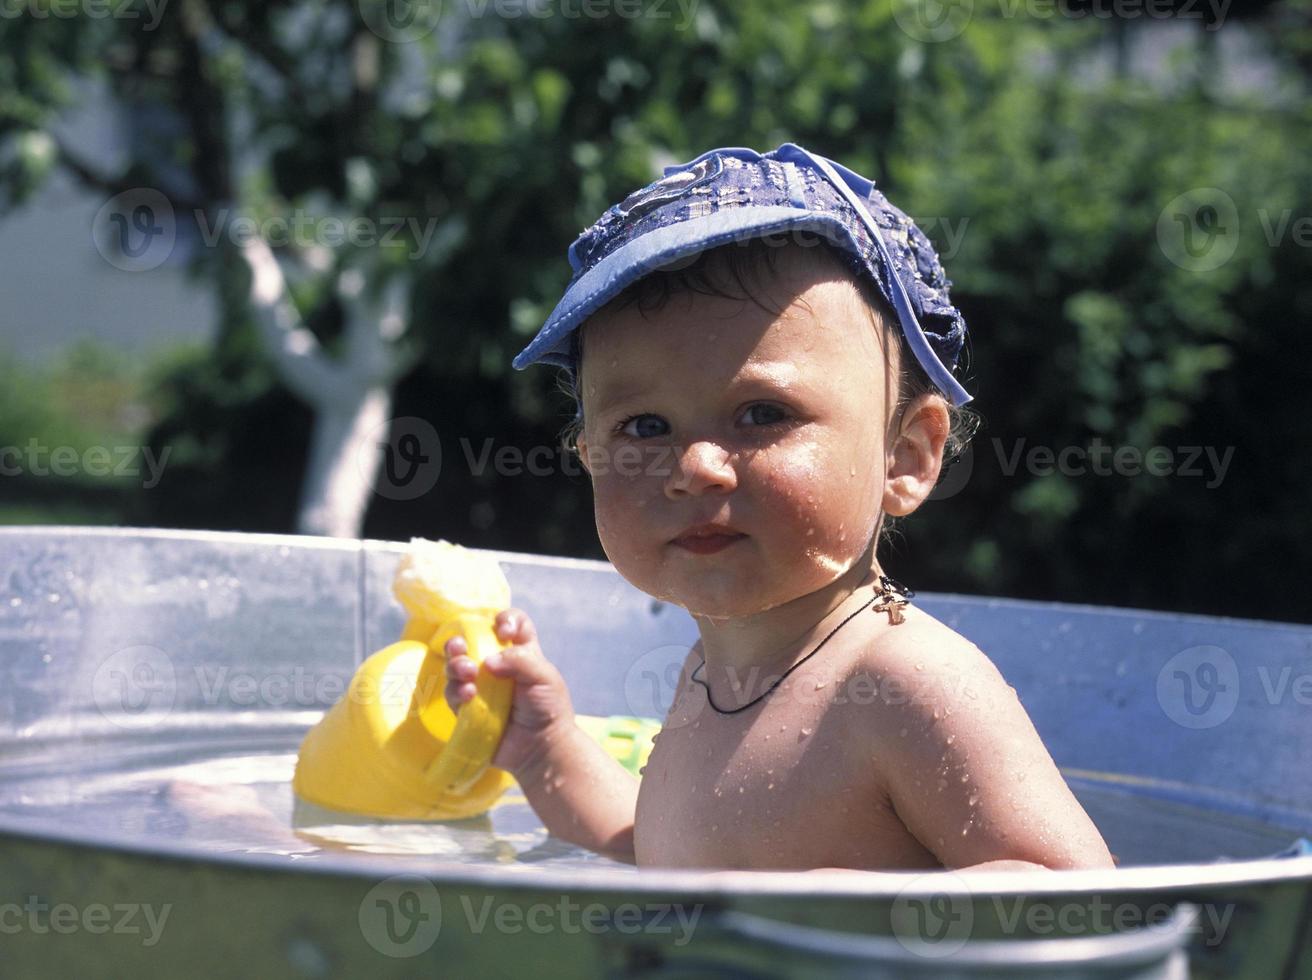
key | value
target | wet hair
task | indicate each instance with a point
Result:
(742, 270)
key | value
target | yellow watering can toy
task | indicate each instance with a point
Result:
(392, 747)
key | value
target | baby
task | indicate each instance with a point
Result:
(768, 374)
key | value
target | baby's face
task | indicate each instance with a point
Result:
(715, 410)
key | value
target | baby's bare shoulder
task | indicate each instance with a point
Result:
(955, 748)
(922, 664)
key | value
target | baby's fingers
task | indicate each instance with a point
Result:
(460, 672)
(514, 626)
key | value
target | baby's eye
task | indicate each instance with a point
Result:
(764, 413)
(643, 431)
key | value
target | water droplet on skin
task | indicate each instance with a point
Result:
(937, 714)
(1020, 777)
(806, 732)
(920, 666)
(942, 785)
(851, 470)
(770, 786)
(964, 777)
(783, 728)
(820, 684)
(965, 830)
(718, 791)
(973, 799)
(715, 826)
(740, 789)
(950, 739)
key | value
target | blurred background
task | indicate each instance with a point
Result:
(265, 264)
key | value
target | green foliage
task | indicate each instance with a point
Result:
(513, 134)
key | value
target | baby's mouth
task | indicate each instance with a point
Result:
(708, 538)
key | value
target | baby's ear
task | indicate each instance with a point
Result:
(915, 455)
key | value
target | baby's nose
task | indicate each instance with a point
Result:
(700, 468)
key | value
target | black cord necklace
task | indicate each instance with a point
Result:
(894, 596)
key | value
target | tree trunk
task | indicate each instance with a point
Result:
(352, 398)
(345, 451)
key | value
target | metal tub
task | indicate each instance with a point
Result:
(154, 686)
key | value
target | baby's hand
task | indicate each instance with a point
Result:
(541, 708)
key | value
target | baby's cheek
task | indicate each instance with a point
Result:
(828, 504)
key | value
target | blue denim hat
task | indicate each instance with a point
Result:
(731, 194)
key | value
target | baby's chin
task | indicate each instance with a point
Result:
(736, 590)
(730, 600)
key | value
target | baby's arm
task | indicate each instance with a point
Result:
(579, 792)
(970, 777)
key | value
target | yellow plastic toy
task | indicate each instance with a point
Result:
(392, 747)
